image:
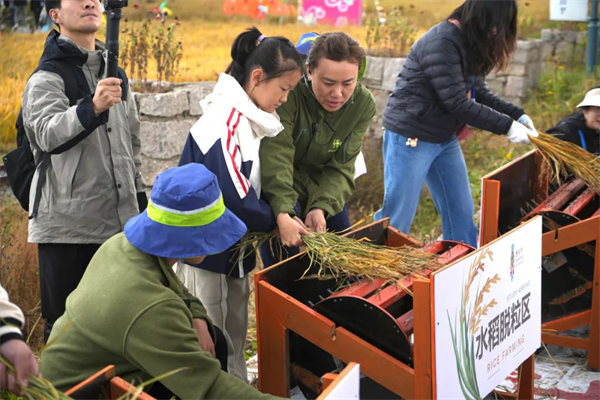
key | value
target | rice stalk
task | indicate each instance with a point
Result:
(39, 388)
(344, 258)
(564, 158)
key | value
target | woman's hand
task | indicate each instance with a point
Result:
(315, 219)
(290, 230)
(519, 133)
(204, 339)
(526, 120)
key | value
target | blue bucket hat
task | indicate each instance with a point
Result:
(305, 41)
(186, 216)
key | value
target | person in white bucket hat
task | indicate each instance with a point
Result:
(583, 126)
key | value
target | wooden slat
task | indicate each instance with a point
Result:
(119, 387)
(566, 323)
(395, 238)
(490, 204)
(566, 341)
(423, 335)
(570, 236)
(526, 379)
(594, 351)
(100, 378)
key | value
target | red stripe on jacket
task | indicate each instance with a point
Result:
(231, 130)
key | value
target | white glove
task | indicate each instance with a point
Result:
(525, 120)
(519, 133)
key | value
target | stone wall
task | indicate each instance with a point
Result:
(167, 118)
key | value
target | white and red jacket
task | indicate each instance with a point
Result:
(11, 319)
(226, 139)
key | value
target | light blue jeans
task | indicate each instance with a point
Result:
(441, 166)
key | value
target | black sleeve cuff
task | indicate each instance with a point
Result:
(142, 200)
(517, 113)
(10, 336)
(87, 116)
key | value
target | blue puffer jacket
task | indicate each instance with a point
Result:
(430, 100)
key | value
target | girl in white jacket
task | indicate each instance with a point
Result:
(226, 139)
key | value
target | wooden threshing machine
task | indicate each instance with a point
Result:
(308, 328)
(570, 245)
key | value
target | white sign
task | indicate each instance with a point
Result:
(346, 386)
(569, 10)
(487, 312)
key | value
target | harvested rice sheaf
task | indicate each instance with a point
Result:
(565, 158)
(344, 258)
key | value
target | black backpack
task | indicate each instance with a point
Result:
(20, 163)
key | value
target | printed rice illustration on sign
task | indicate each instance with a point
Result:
(463, 332)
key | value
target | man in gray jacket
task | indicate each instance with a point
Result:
(88, 192)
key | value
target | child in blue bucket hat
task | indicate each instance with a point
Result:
(130, 309)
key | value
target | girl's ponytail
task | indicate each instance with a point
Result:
(274, 55)
(243, 45)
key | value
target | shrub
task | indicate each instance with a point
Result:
(146, 41)
(559, 91)
(390, 35)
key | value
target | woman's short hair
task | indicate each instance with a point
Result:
(335, 46)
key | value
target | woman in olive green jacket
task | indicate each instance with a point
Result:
(308, 169)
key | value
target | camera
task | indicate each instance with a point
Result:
(111, 4)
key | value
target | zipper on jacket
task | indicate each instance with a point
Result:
(299, 136)
(345, 149)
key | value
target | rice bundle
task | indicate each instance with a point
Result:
(344, 258)
(39, 388)
(565, 158)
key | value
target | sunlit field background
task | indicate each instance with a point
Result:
(207, 35)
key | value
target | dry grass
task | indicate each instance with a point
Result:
(19, 268)
(565, 158)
